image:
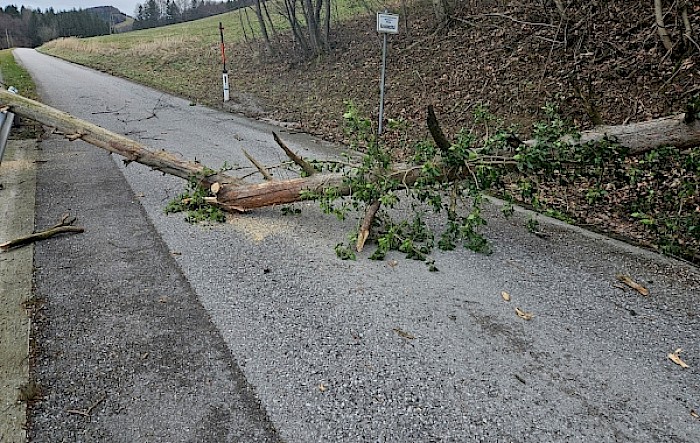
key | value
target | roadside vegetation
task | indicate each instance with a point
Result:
(485, 67)
(15, 75)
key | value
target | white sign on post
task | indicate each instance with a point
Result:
(387, 23)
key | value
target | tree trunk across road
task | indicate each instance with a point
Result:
(236, 195)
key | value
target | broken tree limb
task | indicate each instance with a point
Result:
(131, 150)
(65, 226)
(262, 169)
(303, 164)
(363, 233)
(436, 131)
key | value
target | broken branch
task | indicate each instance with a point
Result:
(303, 164)
(65, 226)
(436, 131)
(367, 225)
(265, 173)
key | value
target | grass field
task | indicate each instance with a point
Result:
(184, 58)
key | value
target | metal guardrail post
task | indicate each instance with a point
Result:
(6, 120)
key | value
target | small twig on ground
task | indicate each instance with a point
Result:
(513, 19)
(66, 225)
(87, 412)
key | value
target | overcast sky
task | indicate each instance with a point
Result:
(125, 6)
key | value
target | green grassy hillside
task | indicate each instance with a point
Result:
(183, 58)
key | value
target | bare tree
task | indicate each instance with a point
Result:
(310, 22)
(263, 26)
(443, 9)
(682, 30)
(661, 27)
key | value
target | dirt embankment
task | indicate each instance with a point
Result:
(600, 62)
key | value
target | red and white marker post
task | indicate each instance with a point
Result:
(223, 60)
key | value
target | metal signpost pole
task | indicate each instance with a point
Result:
(381, 89)
(223, 59)
(386, 24)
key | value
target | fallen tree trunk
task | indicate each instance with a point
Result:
(74, 128)
(645, 136)
(233, 194)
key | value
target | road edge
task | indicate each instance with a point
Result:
(17, 200)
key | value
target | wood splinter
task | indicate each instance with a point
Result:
(65, 226)
(76, 136)
(367, 225)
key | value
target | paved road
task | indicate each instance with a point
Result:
(348, 351)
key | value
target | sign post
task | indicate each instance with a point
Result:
(386, 24)
(223, 59)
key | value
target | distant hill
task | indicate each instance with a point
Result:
(119, 21)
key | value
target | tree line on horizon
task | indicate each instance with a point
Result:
(155, 13)
(26, 27)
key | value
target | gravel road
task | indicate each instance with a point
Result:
(305, 347)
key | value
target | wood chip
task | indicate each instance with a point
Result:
(505, 296)
(694, 414)
(675, 357)
(322, 387)
(404, 334)
(215, 188)
(626, 279)
(524, 315)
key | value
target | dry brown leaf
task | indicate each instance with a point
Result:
(505, 295)
(404, 334)
(524, 315)
(626, 279)
(675, 357)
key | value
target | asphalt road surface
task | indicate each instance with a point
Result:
(254, 331)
